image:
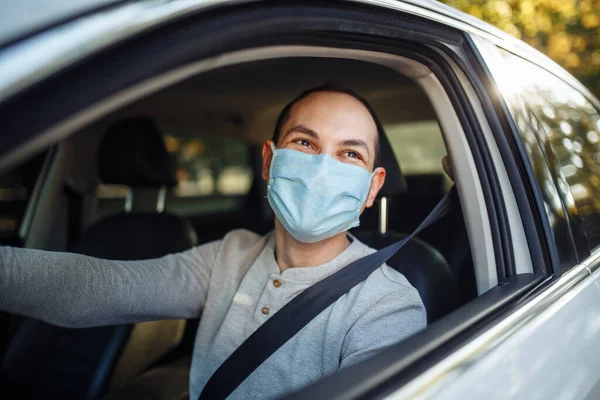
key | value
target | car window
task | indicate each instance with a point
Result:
(419, 148)
(566, 126)
(16, 187)
(214, 174)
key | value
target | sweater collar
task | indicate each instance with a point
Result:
(310, 275)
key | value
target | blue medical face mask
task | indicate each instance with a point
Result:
(315, 196)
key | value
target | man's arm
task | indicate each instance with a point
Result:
(73, 290)
(393, 318)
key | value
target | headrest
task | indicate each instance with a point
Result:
(395, 184)
(133, 153)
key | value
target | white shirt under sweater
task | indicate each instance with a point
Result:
(228, 283)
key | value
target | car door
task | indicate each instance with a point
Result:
(552, 350)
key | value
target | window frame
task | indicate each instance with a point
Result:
(491, 52)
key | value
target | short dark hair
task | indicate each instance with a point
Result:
(335, 88)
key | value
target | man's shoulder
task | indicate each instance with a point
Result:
(386, 281)
(385, 297)
(384, 291)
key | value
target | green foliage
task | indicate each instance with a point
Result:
(568, 31)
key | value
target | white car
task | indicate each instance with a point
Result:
(510, 277)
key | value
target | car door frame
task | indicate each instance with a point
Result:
(484, 366)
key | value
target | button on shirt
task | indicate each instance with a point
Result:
(234, 285)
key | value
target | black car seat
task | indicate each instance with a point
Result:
(44, 360)
(133, 154)
(424, 267)
(449, 235)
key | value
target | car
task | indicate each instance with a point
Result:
(509, 277)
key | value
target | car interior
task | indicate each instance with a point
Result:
(180, 167)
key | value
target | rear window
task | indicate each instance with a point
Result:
(214, 174)
(210, 165)
(419, 148)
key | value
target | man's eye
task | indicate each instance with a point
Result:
(303, 142)
(352, 154)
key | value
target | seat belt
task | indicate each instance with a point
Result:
(299, 311)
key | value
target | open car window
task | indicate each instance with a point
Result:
(214, 175)
(418, 145)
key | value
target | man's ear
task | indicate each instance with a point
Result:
(267, 156)
(376, 184)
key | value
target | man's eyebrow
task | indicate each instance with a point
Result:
(302, 129)
(356, 142)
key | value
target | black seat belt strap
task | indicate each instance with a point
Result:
(299, 311)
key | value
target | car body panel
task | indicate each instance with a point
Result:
(32, 59)
(25, 17)
(549, 346)
(546, 349)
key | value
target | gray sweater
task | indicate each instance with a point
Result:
(234, 285)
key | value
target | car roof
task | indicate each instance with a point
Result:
(459, 16)
(24, 17)
(244, 100)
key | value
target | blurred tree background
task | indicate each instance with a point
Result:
(568, 31)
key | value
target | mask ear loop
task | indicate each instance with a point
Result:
(367, 191)
(274, 151)
(369, 185)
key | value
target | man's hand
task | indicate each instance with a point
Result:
(448, 167)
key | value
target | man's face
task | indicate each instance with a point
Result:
(331, 123)
(335, 124)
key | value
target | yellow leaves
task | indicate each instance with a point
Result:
(596, 58)
(192, 149)
(585, 6)
(571, 60)
(527, 8)
(564, 48)
(567, 8)
(475, 11)
(568, 31)
(501, 8)
(172, 144)
(513, 30)
(558, 45)
(579, 43)
(590, 21)
(540, 23)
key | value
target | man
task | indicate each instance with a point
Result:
(321, 173)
